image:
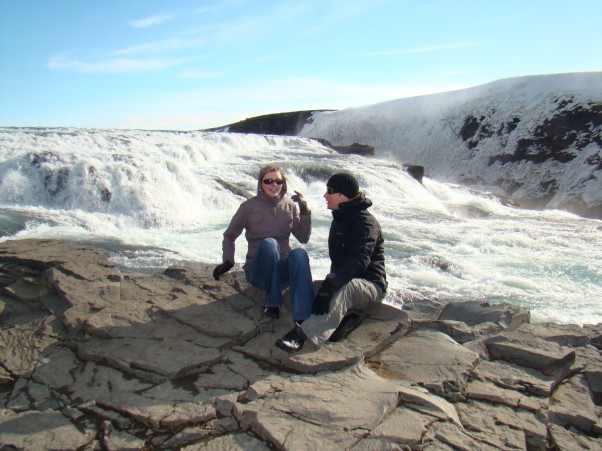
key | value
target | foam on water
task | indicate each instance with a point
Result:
(157, 198)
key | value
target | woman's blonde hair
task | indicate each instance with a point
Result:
(271, 168)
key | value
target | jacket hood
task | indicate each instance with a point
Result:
(360, 202)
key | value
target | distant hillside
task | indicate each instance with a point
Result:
(537, 139)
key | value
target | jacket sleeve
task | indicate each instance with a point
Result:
(362, 242)
(301, 226)
(237, 224)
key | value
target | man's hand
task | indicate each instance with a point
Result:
(222, 269)
(321, 303)
(298, 197)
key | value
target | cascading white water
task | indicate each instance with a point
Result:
(157, 198)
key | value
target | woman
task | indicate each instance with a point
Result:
(269, 218)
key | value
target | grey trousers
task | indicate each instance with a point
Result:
(356, 294)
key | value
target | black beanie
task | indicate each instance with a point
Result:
(344, 183)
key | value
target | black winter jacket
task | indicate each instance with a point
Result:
(355, 245)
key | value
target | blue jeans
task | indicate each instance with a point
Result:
(267, 272)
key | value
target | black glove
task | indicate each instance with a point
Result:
(322, 300)
(222, 269)
(298, 197)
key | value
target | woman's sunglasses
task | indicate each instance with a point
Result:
(330, 190)
(271, 181)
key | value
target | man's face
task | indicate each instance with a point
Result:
(334, 199)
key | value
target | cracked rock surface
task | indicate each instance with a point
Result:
(93, 358)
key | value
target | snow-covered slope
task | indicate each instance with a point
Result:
(538, 138)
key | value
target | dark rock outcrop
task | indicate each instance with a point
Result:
(355, 148)
(234, 189)
(288, 124)
(417, 172)
(558, 137)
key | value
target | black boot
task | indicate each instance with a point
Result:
(347, 325)
(292, 341)
(272, 312)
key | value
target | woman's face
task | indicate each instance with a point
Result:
(273, 189)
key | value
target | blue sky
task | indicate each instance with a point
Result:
(186, 65)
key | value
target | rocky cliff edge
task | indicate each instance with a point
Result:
(93, 358)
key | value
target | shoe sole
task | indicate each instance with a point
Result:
(284, 347)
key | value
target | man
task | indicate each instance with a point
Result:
(357, 272)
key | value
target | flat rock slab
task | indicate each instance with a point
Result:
(564, 335)
(37, 430)
(473, 313)
(515, 377)
(24, 346)
(168, 357)
(527, 350)
(235, 442)
(382, 325)
(295, 413)
(428, 358)
(214, 318)
(86, 262)
(503, 427)
(572, 405)
(488, 391)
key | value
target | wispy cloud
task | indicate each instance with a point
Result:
(244, 30)
(113, 65)
(165, 45)
(326, 15)
(219, 6)
(199, 74)
(425, 49)
(151, 21)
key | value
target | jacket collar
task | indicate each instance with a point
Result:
(273, 200)
(349, 208)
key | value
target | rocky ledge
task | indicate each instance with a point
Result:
(95, 358)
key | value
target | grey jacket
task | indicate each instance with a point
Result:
(263, 217)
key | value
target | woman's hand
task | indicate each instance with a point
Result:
(222, 269)
(298, 197)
